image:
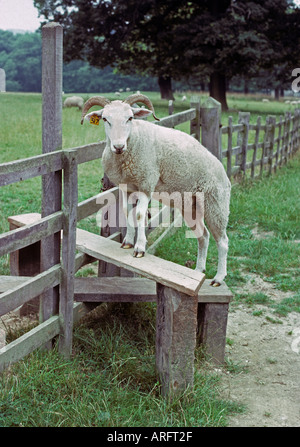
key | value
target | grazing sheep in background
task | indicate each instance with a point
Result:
(183, 98)
(148, 158)
(74, 101)
(265, 100)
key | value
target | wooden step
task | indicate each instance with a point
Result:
(164, 272)
(122, 289)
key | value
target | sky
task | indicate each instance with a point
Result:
(18, 14)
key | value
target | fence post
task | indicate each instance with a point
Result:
(270, 130)
(195, 123)
(176, 327)
(52, 46)
(242, 140)
(210, 113)
(68, 252)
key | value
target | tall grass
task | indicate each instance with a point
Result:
(111, 379)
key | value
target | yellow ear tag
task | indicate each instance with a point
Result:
(94, 119)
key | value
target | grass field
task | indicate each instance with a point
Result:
(110, 379)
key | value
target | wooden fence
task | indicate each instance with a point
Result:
(56, 229)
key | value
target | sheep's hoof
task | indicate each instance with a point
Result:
(138, 254)
(126, 246)
(215, 283)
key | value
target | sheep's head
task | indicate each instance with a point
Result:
(117, 117)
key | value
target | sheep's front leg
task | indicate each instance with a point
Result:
(128, 241)
(141, 213)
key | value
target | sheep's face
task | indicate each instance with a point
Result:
(117, 117)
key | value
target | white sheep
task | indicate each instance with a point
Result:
(265, 100)
(148, 158)
(74, 101)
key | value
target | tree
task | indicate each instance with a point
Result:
(174, 39)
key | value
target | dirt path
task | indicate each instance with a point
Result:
(266, 356)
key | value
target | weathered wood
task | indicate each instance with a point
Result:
(176, 324)
(33, 287)
(242, 140)
(52, 60)
(165, 272)
(229, 148)
(108, 289)
(18, 170)
(29, 234)
(89, 152)
(10, 282)
(28, 342)
(94, 204)
(255, 148)
(26, 262)
(177, 118)
(210, 113)
(212, 324)
(115, 289)
(68, 253)
(196, 122)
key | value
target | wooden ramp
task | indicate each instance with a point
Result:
(161, 271)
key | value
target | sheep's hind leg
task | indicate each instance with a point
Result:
(222, 244)
(203, 242)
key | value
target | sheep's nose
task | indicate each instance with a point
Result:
(119, 148)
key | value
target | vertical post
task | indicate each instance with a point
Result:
(52, 44)
(270, 124)
(68, 252)
(195, 123)
(210, 126)
(176, 327)
(242, 140)
(212, 324)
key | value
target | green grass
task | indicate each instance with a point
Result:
(110, 379)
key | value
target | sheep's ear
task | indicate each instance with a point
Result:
(140, 113)
(94, 117)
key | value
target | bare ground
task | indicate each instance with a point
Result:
(266, 356)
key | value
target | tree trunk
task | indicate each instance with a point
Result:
(277, 93)
(165, 85)
(217, 89)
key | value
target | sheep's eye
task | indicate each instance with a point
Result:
(130, 119)
(105, 120)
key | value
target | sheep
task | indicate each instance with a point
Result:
(265, 100)
(150, 159)
(74, 101)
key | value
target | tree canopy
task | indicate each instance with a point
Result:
(179, 39)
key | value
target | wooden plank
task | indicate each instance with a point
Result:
(94, 204)
(28, 342)
(177, 118)
(29, 289)
(89, 152)
(114, 289)
(165, 272)
(26, 168)
(108, 289)
(10, 282)
(29, 234)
